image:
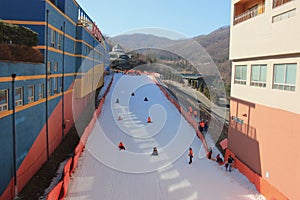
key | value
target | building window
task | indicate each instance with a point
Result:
(55, 85)
(283, 16)
(41, 91)
(258, 75)
(19, 96)
(53, 38)
(245, 10)
(49, 82)
(30, 93)
(55, 66)
(240, 75)
(48, 67)
(285, 76)
(59, 42)
(277, 3)
(49, 87)
(3, 100)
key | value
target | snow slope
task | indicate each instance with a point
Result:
(106, 173)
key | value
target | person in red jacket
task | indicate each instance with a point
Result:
(209, 153)
(191, 155)
(121, 146)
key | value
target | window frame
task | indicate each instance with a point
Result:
(55, 66)
(258, 83)
(285, 15)
(49, 67)
(284, 85)
(19, 102)
(277, 3)
(53, 38)
(41, 93)
(49, 82)
(55, 85)
(59, 41)
(240, 81)
(31, 98)
(4, 106)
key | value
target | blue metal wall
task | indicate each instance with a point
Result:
(23, 10)
(30, 121)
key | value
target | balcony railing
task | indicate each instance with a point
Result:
(87, 22)
(277, 3)
(248, 14)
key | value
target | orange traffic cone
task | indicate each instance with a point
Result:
(149, 120)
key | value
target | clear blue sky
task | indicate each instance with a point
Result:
(190, 17)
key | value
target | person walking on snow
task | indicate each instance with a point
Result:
(191, 155)
(230, 161)
(209, 153)
(121, 146)
(202, 124)
(219, 159)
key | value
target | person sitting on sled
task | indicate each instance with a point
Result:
(121, 146)
(155, 152)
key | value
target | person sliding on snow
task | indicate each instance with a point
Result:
(121, 146)
(155, 152)
(191, 155)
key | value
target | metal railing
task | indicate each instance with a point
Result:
(277, 3)
(248, 14)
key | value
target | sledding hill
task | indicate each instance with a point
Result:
(105, 172)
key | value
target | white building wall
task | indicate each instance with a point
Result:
(254, 39)
(281, 99)
(259, 36)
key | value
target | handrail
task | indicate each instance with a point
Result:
(248, 14)
(277, 3)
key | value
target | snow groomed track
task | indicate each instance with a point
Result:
(106, 173)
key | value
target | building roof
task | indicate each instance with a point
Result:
(117, 48)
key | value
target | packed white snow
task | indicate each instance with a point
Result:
(104, 172)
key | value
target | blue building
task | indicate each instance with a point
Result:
(36, 109)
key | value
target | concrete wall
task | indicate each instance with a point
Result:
(268, 142)
(286, 100)
(264, 127)
(258, 36)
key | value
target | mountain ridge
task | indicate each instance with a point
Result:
(216, 45)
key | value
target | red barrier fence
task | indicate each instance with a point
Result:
(55, 192)
(184, 113)
(61, 189)
(265, 188)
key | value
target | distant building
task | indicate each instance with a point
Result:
(264, 130)
(118, 48)
(118, 53)
(118, 57)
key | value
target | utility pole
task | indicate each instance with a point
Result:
(14, 137)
